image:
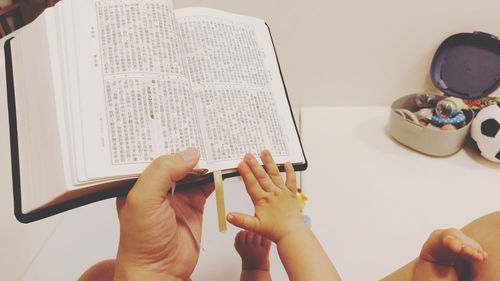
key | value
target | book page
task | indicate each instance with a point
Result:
(237, 84)
(66, 36)
(136, 99)
(43, 162)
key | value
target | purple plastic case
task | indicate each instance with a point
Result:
(467, 65)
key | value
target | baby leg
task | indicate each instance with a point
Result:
(445, 250)
(486, 231)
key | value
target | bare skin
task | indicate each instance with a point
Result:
(486, 232)
(101, 271)
(155, 242)
(148, 213)
(151, 234)
(443, 252)
(254, 252)
(277, 218)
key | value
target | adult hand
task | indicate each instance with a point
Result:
(155, 240)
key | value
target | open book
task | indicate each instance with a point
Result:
(99, 88)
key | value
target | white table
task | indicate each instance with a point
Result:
(372, 202)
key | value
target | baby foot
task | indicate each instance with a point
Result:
(254, 252)
(449, 246)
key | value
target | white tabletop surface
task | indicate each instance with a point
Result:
(372, 203)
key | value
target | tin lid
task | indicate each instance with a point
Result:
(467, 65)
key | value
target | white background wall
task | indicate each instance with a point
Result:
(360, 52)
(5, 2)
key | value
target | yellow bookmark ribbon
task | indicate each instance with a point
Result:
(219, 198)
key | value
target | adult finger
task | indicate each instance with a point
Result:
(120, 201)
(154, 183)
(259, 173)
(207, 189)
(196, 196)
(271, 168)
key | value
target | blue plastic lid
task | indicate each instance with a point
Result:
(467, 65)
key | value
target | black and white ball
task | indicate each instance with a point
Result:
(485, 131)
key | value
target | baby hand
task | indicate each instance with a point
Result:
(277, 212)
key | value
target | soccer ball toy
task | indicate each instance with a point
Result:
(485, 131)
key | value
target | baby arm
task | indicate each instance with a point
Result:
(277, 217)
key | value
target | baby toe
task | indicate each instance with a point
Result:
(266, 243)
(249, 238)
(453, 243)
(257, 240)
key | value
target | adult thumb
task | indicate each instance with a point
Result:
(154, 183)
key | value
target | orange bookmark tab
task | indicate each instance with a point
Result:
(219, 198)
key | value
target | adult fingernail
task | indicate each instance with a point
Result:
(189, 155)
